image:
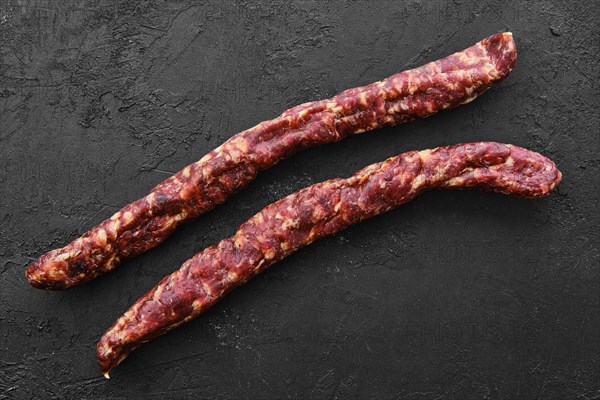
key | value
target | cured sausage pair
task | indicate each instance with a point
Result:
(305, 216)
(199, 187)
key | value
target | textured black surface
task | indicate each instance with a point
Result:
(456, 295)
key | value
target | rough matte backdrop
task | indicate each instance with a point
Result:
(455, 295)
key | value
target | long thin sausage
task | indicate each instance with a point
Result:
(312, 213)
(199, 187)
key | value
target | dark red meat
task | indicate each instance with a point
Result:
(312, 213)
(199, 187)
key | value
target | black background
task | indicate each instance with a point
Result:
(456, 295)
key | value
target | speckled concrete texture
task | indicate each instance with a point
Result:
(455, 295)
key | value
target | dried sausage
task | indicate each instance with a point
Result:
(199, 187)
(315, 212)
